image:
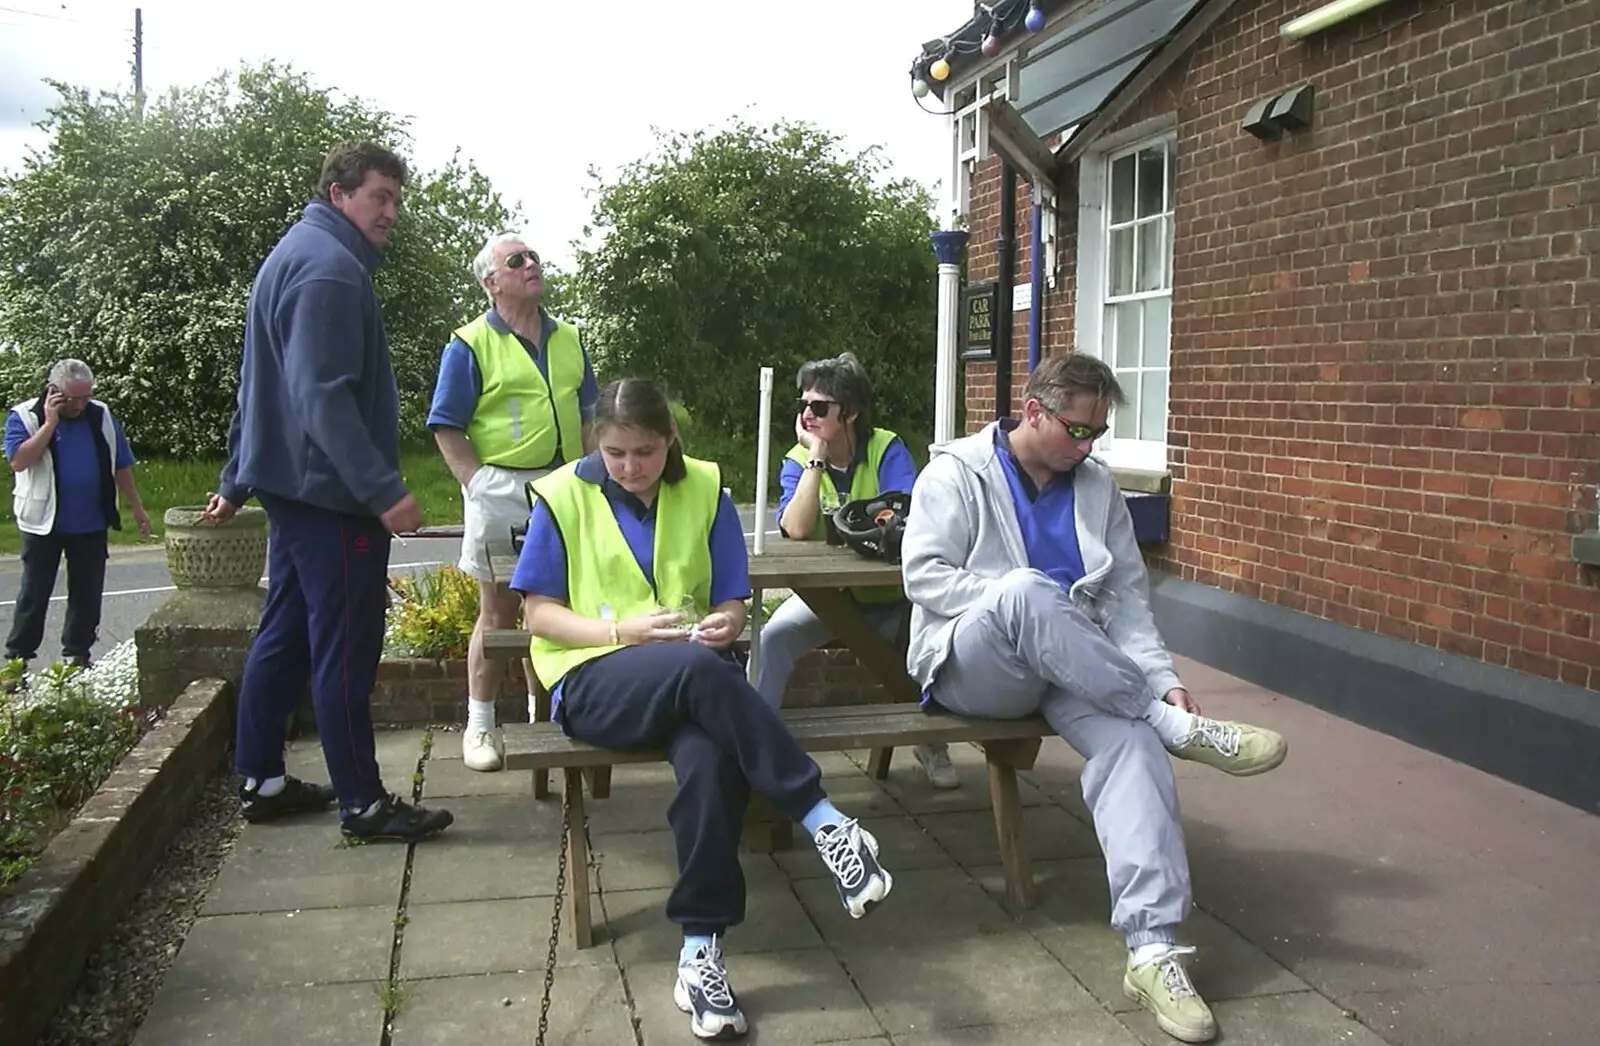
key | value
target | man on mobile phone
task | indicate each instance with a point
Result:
(70, 460)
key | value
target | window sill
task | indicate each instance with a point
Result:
(1586, 547)
(1144, 481)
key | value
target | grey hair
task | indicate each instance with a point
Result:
(70, 370)
(483, 264)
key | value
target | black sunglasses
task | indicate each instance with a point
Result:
(818, 408)
(1077, 431)
(515, 261)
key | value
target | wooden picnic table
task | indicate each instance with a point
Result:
(820, 574)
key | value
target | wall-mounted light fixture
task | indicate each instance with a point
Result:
(1281, 113)
(1326, 15)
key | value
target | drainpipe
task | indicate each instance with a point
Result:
(1006, 255)
(1036, 278)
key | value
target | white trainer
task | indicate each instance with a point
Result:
(482, 750)
(935, 761)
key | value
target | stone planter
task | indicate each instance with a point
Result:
(201, 554)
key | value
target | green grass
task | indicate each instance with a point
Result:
(168, 484)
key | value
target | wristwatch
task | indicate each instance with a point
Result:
(816, 464)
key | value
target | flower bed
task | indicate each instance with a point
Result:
(62, 732)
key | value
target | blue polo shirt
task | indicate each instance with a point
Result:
(456, 392)
(1048, 517)
(78, 469)
(896, 471)
(542, 564)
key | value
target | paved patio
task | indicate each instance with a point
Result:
(1367, 892)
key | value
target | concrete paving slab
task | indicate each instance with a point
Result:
(909, 787)
(499, 846)
(788, 997)
(397, 751)
(477, 937)
(1072, 920)
(1302, 1019)
(903, 843)
(447, 777)
(962, 982)
(1048, 833)
(774, 921)
(301, 864)
(928, 907)
(1483, 1014)
(587, 1005)
(319, 1015)
(243, 953)
(1080, 1028)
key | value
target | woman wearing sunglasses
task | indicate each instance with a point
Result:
(838, 457)
(614, 541)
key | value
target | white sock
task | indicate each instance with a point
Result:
(268, 788)
(533, 709)
(1171, 722)
(1150, 952)
(480, 714)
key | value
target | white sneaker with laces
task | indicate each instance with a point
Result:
(851, 854)
(703, 992)
(482, 750)
(935, 761)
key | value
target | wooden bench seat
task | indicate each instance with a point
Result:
(1009, 745)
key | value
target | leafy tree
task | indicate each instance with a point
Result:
(130, 241)
(747, 246)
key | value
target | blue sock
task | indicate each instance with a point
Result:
(824, 813)
(693, 942)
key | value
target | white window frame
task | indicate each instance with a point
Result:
(996, 80)
(1094, 272)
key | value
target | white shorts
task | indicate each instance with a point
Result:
(492, 503)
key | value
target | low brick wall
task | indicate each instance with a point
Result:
(417, 692)
(66, 904)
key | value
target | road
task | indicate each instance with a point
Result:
(137, 582)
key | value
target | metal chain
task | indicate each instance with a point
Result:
(555, 918)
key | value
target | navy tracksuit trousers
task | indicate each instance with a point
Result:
(323, 624)
(722, 741)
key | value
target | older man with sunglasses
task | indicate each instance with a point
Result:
(512, 402)
(1030, 597)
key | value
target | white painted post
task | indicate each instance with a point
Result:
(763, 449)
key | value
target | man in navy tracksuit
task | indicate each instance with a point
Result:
(315, 437)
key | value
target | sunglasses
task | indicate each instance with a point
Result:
(1077, 431)
(517, 260)
(818, 408)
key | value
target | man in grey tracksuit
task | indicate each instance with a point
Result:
(1030, 596)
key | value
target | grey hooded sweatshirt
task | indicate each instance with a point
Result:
(963, 534)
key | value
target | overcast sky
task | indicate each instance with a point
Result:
(534, 93)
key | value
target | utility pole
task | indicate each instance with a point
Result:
(138, 59)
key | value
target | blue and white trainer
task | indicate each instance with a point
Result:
(851, 854)
(703, 992)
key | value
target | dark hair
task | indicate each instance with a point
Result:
(638, 403)
(844, 379)
(347, 165)
(1055, 381)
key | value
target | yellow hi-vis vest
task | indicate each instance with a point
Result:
(521, 418)
(603, 578)
(863, 484)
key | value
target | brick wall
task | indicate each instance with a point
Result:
(1384, 349)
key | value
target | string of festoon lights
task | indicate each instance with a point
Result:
(1001, 18)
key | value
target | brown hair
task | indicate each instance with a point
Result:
(1058, 379)
(347, 165)
(638, 403)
